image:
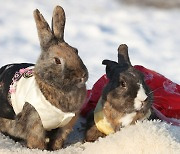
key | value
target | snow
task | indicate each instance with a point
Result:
(142, 138)
(146, 137)
(97, 28)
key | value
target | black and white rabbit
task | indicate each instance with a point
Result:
(43, 100)
(124, 100)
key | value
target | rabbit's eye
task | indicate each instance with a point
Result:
(122, 84)
(57, 60)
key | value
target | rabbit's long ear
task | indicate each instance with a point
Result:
(43, 29)
(123, 57)
(58, 23)
(110, 67)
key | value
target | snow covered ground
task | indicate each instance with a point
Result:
(97, 28)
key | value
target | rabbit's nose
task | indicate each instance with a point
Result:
(81, 82)
(144, 103)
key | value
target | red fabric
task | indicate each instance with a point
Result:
(94, 95)
(166, 94)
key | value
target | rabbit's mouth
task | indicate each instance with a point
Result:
(146, 116)
(142, 105)
(81, 85)
(133, 117)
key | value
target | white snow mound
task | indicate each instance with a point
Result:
(141, 138)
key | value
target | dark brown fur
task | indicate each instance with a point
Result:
(60, 75)
(27, 125)
(93, 134)
(118, 95)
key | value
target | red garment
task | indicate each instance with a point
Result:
(166, 93)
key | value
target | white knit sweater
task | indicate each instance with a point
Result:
(27, 90)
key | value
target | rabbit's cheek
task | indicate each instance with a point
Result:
(139, 101)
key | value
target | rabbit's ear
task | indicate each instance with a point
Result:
(123, 57)
(44, 31)
(58, 23)
(110, 67)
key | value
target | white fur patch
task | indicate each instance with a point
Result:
(141, 96)
(127, 119)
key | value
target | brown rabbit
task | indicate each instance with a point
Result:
(124, 100)
(43, 100)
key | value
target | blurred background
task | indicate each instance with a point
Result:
(149, 27)
(163, 4)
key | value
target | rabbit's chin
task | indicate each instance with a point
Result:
(133, 117)
(81, 85)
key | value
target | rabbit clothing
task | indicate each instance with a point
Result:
(100, 120)
(25, 89)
